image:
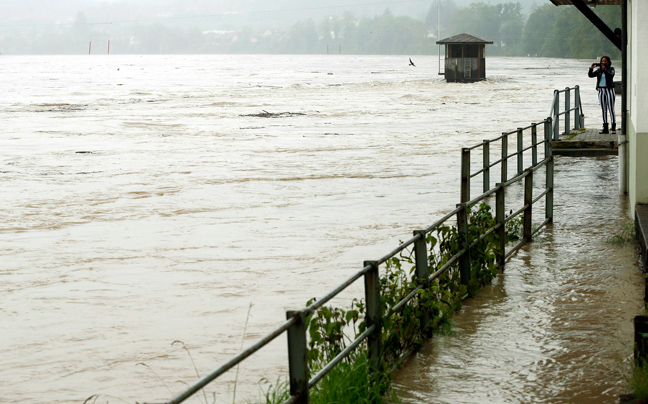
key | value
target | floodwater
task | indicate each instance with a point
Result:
(556, 326)
(147, 200)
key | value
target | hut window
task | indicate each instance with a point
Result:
(471, 51)
(455, 51)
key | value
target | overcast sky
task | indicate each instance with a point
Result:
(277, 12)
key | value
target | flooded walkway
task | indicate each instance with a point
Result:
(588, 142)
(556, 327)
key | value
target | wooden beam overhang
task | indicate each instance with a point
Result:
(591, 3)
(594, 19)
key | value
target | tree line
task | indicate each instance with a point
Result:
(547, 31)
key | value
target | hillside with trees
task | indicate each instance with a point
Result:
(546, 30)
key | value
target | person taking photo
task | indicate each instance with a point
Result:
(605, 86)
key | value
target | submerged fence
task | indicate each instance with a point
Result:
(295, 324)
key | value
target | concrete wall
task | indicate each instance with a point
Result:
(637, 127)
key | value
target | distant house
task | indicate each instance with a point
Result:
(465, 59)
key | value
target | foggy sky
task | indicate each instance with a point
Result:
(235, 13)
(198, 26)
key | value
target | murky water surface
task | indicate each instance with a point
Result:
(556, 327)
(144, 203)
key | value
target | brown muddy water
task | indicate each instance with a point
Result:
(556, 326)
(144, 201)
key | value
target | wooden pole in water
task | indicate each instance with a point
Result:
(528, 203)
(465, 175)
(462, 230)
(90, 48)
(109, 46)
(500, 217)
(297, 363)
(422, 275)
(486, 166)
(373, 317)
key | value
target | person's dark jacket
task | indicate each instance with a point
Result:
(609, 76)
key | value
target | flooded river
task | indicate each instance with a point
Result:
(153, 199)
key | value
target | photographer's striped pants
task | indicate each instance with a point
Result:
(606, 98)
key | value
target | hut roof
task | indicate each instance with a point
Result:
(463, 38)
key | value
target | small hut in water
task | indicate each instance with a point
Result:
(464, 58)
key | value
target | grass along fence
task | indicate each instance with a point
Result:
(451, 259)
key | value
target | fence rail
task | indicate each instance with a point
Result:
(487, 165)
(295, 324)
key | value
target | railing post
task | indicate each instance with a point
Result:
(500, 218)
(504, 175)
(462, 230)
(528, 205)
(373, 317)
(550, 187)
(534, 144)
(577, 117)
(465, 175)
(547, 135)
(567, 110)
(298, 367)
(486, 172)
(520, 147)
(555, 117)
(422, 274)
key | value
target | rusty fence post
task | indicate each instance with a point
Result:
(547, 136)
(500, 217)
(462, 230)
(486, 159)
(567, 111)
(556, 116)
(373, 317)
(520, 147)
(577, 117)
(550, 186)
(504, 175)
(465, 175)
(298, 367)
(534, 144)
(528, 204)
(422, 274)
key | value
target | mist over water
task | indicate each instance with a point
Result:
(148, 200)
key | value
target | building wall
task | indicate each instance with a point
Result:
(637, 127)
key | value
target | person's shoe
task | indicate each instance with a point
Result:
(613, 129)
(605, 129)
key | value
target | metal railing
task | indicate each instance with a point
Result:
(503, 142)
(295, 324)
(555, 113)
